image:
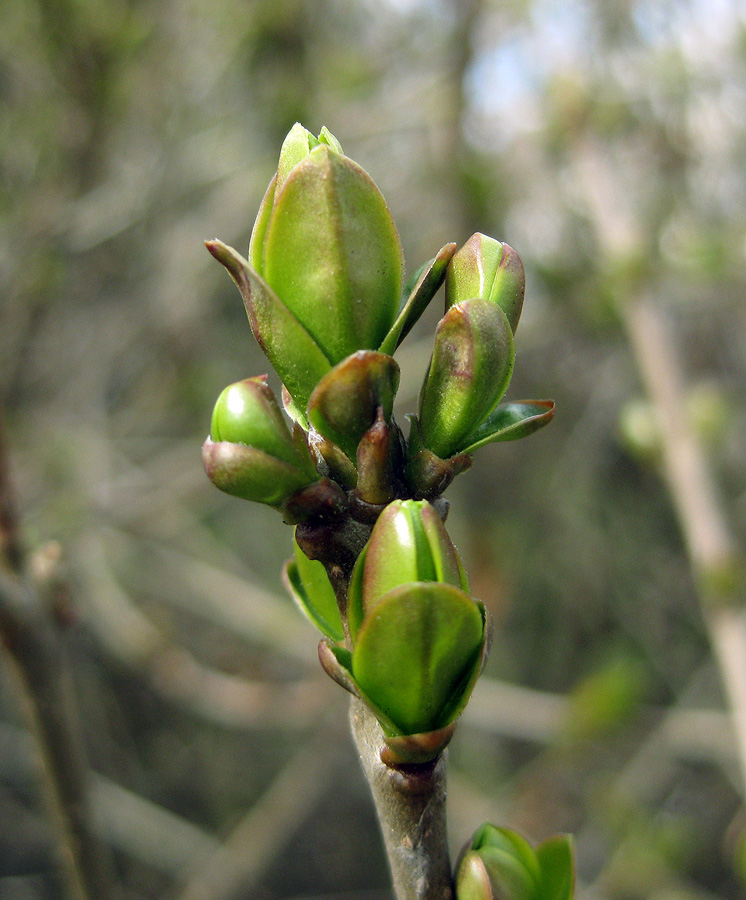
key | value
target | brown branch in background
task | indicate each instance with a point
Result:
(716, 563)
(11, 551)
(36, 658)
(465, 210)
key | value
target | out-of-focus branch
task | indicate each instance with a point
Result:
(35, 655)
(11, 551)
(456, 153)
(235, 867)
(129, 822)
(716, 564)
(684, 732)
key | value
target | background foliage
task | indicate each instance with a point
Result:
(605, 141)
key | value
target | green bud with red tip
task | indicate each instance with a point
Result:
(489, 270)
(469, 372)
(471, 367)
(251, 453)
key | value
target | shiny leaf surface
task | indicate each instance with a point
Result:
(469, 372)
(414, 650)
(276, 328)
(309, 586)
(425, 285)
(510, 422)
(333, 255)
(490, 270)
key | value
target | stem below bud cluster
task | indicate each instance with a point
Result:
(410, 803)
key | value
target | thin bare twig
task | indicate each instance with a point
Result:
(714, 558)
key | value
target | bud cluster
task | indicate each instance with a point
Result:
(374, 568)
(416, 639)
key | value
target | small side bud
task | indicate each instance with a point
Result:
(251, 453)
(489, 270)
(500, 864)
(375, 463)
(469, 372)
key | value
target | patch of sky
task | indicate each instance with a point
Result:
(508, 74)
(405, 7)
(695, 25)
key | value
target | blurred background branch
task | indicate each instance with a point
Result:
(716, 564)
(34, 654)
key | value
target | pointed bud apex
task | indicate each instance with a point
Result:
(489, 270)
(295, 148)
(375, 482)
(325, 267)
(472, 878)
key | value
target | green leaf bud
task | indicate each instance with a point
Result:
(469, 372)
(295, 148)
(346, 402)
(251, 452)
(247, 413)
(415, 655)
(409, 543)
(500, 864)
(325, 266)
(332, 254)
(489, 270)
